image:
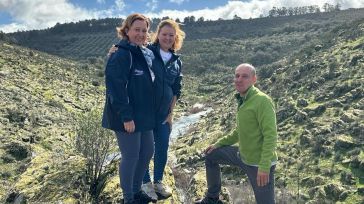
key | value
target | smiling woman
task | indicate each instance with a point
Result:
(129, 108)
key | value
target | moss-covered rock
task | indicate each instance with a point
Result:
(17, 150)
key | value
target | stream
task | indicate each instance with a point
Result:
(181, 125)
(179, 128)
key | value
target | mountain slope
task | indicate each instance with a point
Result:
(320, 110)
(40, 97)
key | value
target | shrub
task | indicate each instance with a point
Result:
(17, 150)
(95, 144)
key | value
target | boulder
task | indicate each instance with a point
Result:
(300, 117)
(302, 102)
(347, 118)
(18, 150)
(344, 142)
(354, 61)
(313, 181)
(333, 191)
(318, 47)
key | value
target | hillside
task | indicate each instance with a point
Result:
(40, 97)
(320, 110)
(312, 66)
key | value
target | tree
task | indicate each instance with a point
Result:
(165, 18)
(290, 11)
(189, 19)
(338, 7)
(236, 17)
(273, 12)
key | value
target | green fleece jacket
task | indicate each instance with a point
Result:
(256, 131)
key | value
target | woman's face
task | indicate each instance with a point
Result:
(166, 37)
(138, 32)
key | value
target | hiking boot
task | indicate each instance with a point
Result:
(144, 198)
(208, 200)
(148, 189)
(162, 191)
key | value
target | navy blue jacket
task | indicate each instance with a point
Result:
(168, 78)
(129, 90)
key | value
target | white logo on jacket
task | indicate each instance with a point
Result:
(138, 72)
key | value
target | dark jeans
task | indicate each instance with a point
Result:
(136, 151)
(230, 155)
(161, 143)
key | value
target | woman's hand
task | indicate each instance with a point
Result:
(129, 126)
(169, 120)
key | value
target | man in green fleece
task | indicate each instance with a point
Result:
(256, 136)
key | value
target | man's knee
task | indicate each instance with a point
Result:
(212, 156)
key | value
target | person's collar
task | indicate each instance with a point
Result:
(248, 93)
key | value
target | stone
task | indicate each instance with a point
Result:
(347, 118)
(302, 102)
(300, 117)
(318, 47)
(18, 150)
(333, 191)
(344, 142)
(354, 61)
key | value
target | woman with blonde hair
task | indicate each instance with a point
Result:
(167, 67)
(129, 108)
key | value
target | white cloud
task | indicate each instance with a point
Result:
(100, 1)
(152, 5)
(178, 1)
(13, 27)
(120, 4)
(249, 9)
(40, 14)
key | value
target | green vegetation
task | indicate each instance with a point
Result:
(96, 144)
(312, 65)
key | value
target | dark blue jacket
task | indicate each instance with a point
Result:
(167, 82)
(129, 90)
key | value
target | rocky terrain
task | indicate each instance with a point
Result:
(319, 99)
(312, 69)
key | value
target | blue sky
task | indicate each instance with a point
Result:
(39, 14)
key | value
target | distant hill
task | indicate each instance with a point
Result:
(92, 38)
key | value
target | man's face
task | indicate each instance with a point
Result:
(244, 78)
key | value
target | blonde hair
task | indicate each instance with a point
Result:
(180, 35)
(128, 22)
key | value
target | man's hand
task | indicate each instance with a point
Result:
(209, 149)
(262, 178)
(129, 126)
(112, 50)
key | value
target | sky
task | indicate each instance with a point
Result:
(40, 14)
